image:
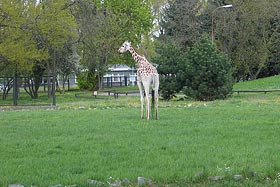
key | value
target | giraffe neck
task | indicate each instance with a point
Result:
(135, 56)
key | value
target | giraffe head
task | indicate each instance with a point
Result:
(125, 47)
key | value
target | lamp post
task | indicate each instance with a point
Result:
(213, 12)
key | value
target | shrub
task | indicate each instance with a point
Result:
(208, 72)
(86, 80)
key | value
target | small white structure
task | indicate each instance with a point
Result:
(120, 75)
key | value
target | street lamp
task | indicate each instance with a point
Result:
(225, 6)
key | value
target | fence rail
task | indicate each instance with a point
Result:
(22, 91)
(256, 91)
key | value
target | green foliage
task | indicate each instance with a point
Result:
(208, 72)
(171, 69)
(31, 34)
(17, 46)
(87, 80)
(273, 66)
(134, 18)
(105, 25)
(55, 24)
(247, 33)
(181, 23)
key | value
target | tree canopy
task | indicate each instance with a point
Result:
(247, 33)
(17, 44)
(104, 25)
(50, 37)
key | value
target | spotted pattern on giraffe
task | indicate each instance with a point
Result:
(144, 67)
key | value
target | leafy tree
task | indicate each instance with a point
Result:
(35, 30)
(208, 72)
(180, 22)
(54, 27)
(17, 46)
(273, 64)
(247, 33)
(104, 25)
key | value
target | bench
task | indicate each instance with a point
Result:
(109, 91)
(116, 94)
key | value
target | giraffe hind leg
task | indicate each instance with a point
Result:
(156, 87)
(139, 84)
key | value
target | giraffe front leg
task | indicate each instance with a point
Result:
(139, 84)
(142, 105)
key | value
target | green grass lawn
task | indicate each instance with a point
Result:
(191, 143)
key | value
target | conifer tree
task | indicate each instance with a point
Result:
(208, 72)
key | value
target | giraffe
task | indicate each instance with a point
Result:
(147, 76)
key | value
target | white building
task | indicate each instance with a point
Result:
(120, 75)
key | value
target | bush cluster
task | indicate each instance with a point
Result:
(203, 73)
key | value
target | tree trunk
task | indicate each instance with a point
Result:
(7, 88)
(103, 62)
(49, 79)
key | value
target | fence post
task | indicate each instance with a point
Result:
(54, 99)
(53, 90)
(15, 89)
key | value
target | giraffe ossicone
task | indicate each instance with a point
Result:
(147, 76)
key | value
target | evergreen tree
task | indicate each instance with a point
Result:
(208, 72)
(171, 69)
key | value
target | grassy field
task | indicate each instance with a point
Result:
(233, 142)
(259, 84)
